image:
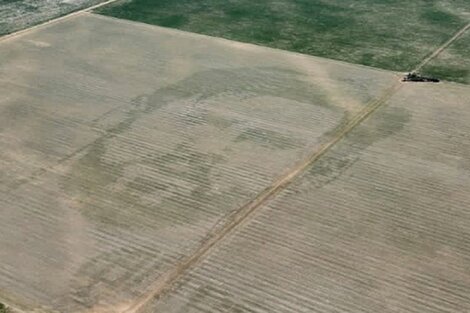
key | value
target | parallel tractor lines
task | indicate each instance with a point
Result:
(244, 214)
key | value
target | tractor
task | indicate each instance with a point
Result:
(416, 77)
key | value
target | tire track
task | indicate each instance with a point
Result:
(441, 48)
(243, 215)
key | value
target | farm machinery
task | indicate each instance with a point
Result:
(416, 77)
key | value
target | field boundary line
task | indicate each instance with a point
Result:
(446, 44)
(242, 215)
(53, 21)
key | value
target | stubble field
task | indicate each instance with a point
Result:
(124, 147)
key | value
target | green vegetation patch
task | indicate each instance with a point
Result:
(4, 308)
(453, 63)
(390, 34)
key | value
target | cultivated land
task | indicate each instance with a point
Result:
(19, 14)
(454, 62)
(125, 147)
(389, 34)
(146, 170)
(381, 223)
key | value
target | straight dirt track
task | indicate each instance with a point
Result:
(445, 45)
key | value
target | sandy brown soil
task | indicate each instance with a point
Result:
(125, 146)
(379, 224)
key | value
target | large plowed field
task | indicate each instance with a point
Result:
(146, 169)
(125, 147)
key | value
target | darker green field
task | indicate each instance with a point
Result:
(389, 34)
(453, 63)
